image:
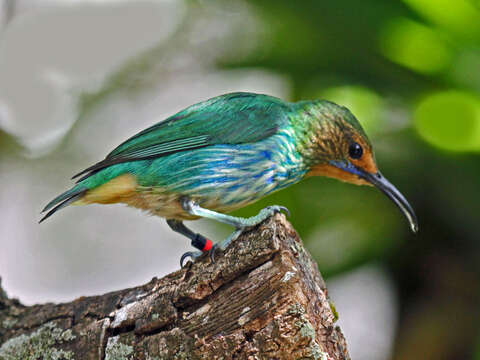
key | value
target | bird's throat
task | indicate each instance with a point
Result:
(336, 173)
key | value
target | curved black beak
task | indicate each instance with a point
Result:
(385, 186)
(391, 191)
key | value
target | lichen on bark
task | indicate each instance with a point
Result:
(40, 344)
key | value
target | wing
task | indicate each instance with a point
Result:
(234, 118)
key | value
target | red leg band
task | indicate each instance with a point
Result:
(208, 245)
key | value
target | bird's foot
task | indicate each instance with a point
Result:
(232, 237)
(241, 224)
(264, 214)
(194, 255)
(247, 223)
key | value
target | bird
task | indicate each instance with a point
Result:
(224, 153)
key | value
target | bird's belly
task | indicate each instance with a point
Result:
(161, 202)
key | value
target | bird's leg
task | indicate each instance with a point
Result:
(198, 241)
(239, 223)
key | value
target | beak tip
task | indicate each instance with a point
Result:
(388, 189)
(413, 221)
(414, 227)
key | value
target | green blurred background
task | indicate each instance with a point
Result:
(409, 70)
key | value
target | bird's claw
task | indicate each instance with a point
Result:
(285, 210)
(190, 254)
(274, 209)
(211, 253)
(194, 255)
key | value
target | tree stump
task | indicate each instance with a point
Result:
(263, 298)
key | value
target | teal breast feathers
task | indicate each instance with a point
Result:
(224, 177)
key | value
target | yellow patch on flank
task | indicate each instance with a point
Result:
(116, 190)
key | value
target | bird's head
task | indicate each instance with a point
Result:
(335, 145)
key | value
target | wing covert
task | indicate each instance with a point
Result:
(227, 119)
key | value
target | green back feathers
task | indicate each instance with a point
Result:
(234, 118)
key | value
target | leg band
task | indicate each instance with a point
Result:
(201, 243)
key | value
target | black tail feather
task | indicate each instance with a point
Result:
(57, 205)
(96, 168)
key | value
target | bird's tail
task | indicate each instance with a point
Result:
(63, 200)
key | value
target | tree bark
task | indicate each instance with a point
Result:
(263, 298)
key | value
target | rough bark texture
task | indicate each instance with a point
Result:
(264, 298)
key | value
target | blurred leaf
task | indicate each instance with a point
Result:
(449, 120)
(460, 16)
(461, 72)
(415, 46)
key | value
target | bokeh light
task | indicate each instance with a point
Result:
(449, 120)
(415, 46)
(460, 16)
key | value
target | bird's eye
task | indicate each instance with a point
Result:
(355, 151)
